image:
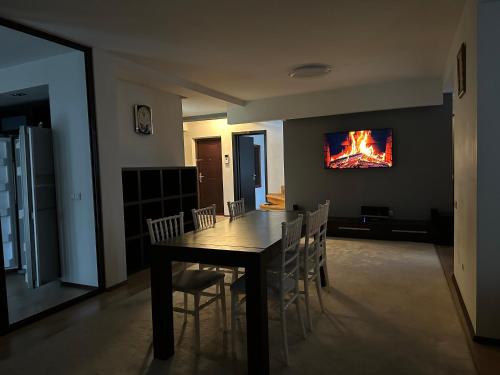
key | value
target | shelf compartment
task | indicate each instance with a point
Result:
(154, 193)
(150, 184)
(189, 181)
(130, 183)
(171, 182)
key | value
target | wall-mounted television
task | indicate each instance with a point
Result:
(358, 149)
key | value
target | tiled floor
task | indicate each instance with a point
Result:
(24, 302)
(389, 311)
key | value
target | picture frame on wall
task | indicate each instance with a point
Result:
(143, 119)
(461, 71)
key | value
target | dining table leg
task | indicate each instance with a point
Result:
(162, 304)
(322, 275)
(257, 326)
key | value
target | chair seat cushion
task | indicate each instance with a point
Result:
(178, 267)
(273, 284)
(195, 280)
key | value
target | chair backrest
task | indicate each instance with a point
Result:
(291, 233)
(325, 209)
(314, 221)
(236, 209)
(166, 228)
(204, 218)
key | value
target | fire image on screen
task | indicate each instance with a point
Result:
(358, 149)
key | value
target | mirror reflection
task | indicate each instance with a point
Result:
(46, 196)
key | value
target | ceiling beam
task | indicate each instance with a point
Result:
(211, 116)
(129, 70)
(375, 97)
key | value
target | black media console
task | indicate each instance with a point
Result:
(378, 223)
(381, 229)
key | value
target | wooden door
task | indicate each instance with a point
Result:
(209, 163)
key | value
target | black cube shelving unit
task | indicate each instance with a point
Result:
(154, 193)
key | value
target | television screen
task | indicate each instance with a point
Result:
(358, 149)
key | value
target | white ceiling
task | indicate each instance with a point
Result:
(20, 48)
(32, 94)
(245, 49)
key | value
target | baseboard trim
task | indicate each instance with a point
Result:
(486, 340)
(79, 286)
(470, 328)
(116, 286)
(463, 308)
(472, 333)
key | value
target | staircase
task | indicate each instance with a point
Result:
(275, 201)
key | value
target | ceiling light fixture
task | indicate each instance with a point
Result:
(310, 71)
(18, 94)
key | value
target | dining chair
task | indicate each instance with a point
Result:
(282, 282)
(205, 218)
(189, 282)
(236, 209)
(323, 260)
(309, 260)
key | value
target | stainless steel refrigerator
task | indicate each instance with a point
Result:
(28, 208)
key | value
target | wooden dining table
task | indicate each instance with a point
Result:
(249, 242)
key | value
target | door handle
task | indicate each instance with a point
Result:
(200, 177)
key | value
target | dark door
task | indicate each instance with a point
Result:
(209, 163)
(246, 171)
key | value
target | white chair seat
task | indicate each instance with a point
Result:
(273, 284)
(195, 280)
(189, 281)
(178, 267)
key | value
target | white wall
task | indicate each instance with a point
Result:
(465, 161)
(488, 174)
(165, 147)
(120, 147)
(477, 181)
(65, 76)
(220, 128)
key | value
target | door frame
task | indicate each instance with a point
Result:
(208, 138)
(5, 326)
(236, 160)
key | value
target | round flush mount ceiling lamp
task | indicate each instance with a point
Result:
(310, 71)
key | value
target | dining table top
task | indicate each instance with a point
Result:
(253, 232)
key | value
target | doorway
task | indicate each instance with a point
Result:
(250, 168)
(33, 254)
(209, 163)
(51, 249)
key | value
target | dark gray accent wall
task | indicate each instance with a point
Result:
(420, 179)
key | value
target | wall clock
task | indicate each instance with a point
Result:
(143, 119)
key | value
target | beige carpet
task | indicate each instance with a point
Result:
(389, 312)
